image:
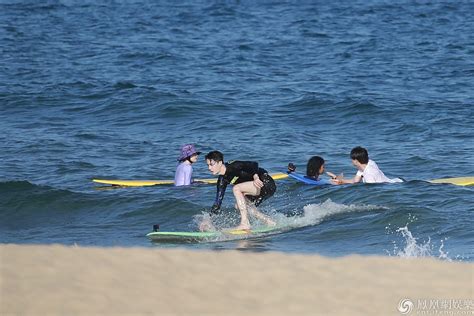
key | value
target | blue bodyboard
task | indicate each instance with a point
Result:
(307, 180)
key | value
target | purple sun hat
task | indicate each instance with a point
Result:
(187, 151)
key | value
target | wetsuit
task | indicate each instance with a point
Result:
(243, 171)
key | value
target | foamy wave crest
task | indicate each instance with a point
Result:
(316, 213)
(313, 214)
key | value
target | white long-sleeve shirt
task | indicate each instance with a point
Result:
(372, 174)
(183, 174)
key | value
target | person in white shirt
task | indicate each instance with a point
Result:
(367, 170)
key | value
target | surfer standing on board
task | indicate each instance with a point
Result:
(252, 186)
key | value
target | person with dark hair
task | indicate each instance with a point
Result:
(367, 170)
(314, 168)
(184, 171)
(252, 185)
(360, 154)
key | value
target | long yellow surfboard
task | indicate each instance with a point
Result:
(144, 183)
(456, 181)
(463, 181)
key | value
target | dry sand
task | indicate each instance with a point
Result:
(59, 280)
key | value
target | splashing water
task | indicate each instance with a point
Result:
(313, 214)
(412, 248)
(415, 248)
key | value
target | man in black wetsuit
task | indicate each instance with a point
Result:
(252, 185)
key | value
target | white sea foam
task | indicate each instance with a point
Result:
(313, 214)
(316, 213)
(414, 247)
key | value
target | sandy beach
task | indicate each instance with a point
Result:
(59, 280)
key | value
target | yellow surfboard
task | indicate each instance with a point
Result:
(144, 183)
(457, 181)
(463, 181)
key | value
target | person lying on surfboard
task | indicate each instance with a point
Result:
(184, 171)
(314, 168)
(367, 170)
(252, 187)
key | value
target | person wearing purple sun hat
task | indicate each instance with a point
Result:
(184, 171)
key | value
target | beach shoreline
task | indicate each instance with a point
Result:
(61, 280)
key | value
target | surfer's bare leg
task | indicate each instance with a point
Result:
(240, 190)
(257, 214)
(205, 224)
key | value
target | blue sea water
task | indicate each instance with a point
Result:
(112, 89)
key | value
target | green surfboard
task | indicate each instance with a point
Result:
(221, 235)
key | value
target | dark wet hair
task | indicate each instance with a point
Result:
(313, 166)
(215, 155)
(360, 154)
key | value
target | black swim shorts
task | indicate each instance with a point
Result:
(268, 189)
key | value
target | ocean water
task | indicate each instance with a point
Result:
(112, 89)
